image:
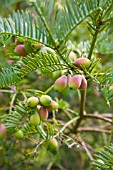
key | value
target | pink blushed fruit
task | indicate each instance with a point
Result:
(20, 50)
(43, 112)
(79, 62)
(61, 83)
(10, 61)
(53, 106)
(75, 82)
(32, 101)
(3, 131)
(83, 84)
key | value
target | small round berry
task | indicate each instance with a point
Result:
(32, 101)
(83, 84)
(20, 50)
(35, 119)
(45, 100)
(79, 62)
(52, 145)
(61, 83)
(43, 112)
(19, 134)
(53, 106)
(75, 82)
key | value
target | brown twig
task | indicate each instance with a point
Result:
(92, 129)
(85, 148)
(97, 116)
(68, 116)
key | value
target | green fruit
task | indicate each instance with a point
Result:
(3, 131)
(32, 101)
(53, 106)
(20, 50)
(52, 145)
(61, 83)
(56, 74)
(45, 100)
(19, 134)
(43, 112)
(75, 82)
(35, 119)
(79, 62)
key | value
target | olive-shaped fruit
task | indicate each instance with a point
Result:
(19, 134)
(53, 106)
(79, 62)
(56, 74)
(3, 131)
(75, 82)
(83, 84)
(35, 119)
(45, 100)
(43, 112)
(52, 145)
(20, 50)
(32, 101)
(61, 83)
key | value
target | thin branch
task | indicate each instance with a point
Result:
(85, 148)
(97, 116)
(12, 102)
(66, 125)
(82, 108)
(50, 166)
(6, 91)
(68, 115)
(92, 129)
(93, 44)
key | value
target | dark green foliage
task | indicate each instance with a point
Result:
(104, 158)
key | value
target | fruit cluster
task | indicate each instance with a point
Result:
(75, 82)
(40, 107)
(24, 48)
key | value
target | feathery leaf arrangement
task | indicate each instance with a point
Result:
(104, 158)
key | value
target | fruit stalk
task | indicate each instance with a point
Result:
(82, 108)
